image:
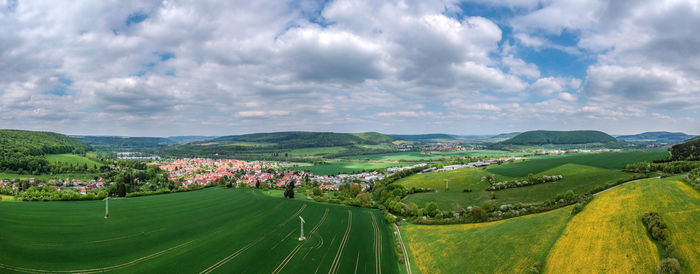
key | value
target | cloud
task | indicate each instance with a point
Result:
(549, 85)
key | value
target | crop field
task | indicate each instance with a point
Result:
(212, 230)
(508, 246)
(340, 167)
(579, 178)
(479, 153)
(45, 177)
(71, 159)
(607, 160)
(312, 151)
(396, 156)
(609, 236)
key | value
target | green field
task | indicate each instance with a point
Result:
(396, 156)
(46, 177)
(607, 160)
(606, 237)
(479, 153)
(72, 159)
(582, 173)
(212, 230)
(312, 151)
(347, 167)
(509, 246)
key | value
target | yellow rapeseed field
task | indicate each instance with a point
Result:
(609, 236)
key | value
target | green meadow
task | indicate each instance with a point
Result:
(72, 159)
(581, 173)
(343, 167)
(212, 230)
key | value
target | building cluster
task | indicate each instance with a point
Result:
(364, 180)
(83, 187)
(203, 171)
(476, 164)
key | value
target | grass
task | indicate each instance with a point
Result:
(396, 156)
(579, 178)
(313, 151)
(72, 159)
(479, 153)
(341, 167)
(46, 177)
(607, 160)
(509, 246)
(216, 229)
(609, 236)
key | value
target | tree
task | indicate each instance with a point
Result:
(289, 190)
(479, 213)
(431, 208)
(668, 266)
(121, 190)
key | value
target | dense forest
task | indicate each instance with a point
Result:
(543, 137)
(688, 151)
(22, 150)
(117, 143)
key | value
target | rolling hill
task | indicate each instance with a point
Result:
(25, 150)
(689, 151)
(544, 137)
(301, 139)
(117, 143)
(423, 137)
(657, 137)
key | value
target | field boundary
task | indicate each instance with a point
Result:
(407, 261)
(622, 184)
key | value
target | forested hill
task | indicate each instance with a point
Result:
(37, 143)
(299, 139)
(24, 150)
(424, 137)
(117, 143)
(689, 151)
(657, 137)
(543, 137)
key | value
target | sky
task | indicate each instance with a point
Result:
(163, 68)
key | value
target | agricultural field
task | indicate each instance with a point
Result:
(396, 156)
(212, 230)
(508, 246)
(46, 177)
(480, 153)
(347, 167)
(607, 160)
(72, 159)
(313, 151)
(609, 236)
(582, 173)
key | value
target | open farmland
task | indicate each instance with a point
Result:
(579, 178)
(397, 156)
(609, 236)
(340, 167)
(212, 230)
(607, 160)
(72, 159)
(508, 246)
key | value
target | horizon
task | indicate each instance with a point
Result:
(390, 134)
(168, 68)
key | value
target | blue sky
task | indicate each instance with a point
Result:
(160, 68)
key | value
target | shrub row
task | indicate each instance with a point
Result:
(656, 228)
(529, 182)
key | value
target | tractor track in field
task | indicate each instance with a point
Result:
(95, 270)
(251, 244)
(377, 244)
(86, 242)
(343, 242)
(297, 248)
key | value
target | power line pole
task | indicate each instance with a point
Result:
(301, 238)
(107, 208)
(447, 184)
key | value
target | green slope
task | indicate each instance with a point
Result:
(542, 137)
(688, 151)
(212, 230)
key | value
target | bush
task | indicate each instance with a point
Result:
(668, 266)
(536, 268)
(479, 214)
(578, 207)
(488, 207)
(431, 209)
